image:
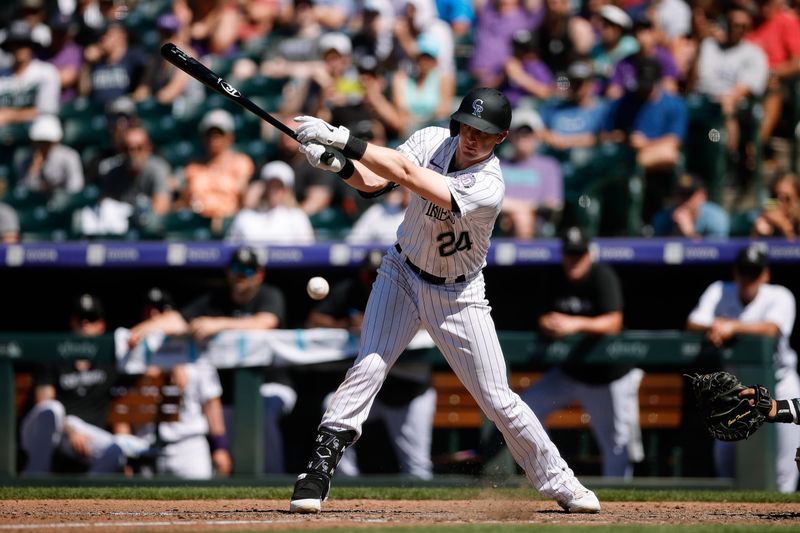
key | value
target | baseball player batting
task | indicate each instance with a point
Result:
(431, 277)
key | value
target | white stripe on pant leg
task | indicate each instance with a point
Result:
(391, 318)
(461, 325)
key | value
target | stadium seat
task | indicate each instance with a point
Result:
(161, 129)
(80, 107)
(178, 225)
(331, 224)
(20, 199)
(41, 220)
(180, 153)
(742, 223)
(84, 131)
(150, 107)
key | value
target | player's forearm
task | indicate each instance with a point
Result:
(605, 324)
(258, 321)
(694, 326)
(397, 168)
(212, 410)
(169, 323)
(768, 329)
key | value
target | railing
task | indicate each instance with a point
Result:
(749, 356)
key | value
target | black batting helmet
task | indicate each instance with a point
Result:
(487, 110)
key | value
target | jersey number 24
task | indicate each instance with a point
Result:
(451, 244)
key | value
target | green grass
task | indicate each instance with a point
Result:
(374, 493)
(553, 528)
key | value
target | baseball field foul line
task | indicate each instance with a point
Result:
(163, 523)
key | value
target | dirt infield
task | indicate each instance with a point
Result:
(199, 515)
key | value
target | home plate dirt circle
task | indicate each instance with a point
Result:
(199, 515)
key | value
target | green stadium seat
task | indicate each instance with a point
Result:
(151, 107)
(80, 132)
(161, 129)
(14, 134)
(42, 220)
(180, 153)
(742, 223)
(21, 198)
(178, 225)
(331, 224)
(80, 107)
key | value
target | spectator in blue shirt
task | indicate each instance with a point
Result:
(576, 119)
(692, 215)
(653, 124)
(458, 13)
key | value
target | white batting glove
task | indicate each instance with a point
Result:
(316, 130)
(334, 161)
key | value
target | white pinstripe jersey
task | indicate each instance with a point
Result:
(446, 243)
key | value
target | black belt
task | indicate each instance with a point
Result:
(426, 276)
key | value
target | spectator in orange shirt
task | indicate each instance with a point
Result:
(777, 32)
(215, 187)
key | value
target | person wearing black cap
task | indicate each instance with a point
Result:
(31, 86)
(653, 123)
(751, 305)
(692, 214)
(407, 401)
(432, 278)
(246, 303)
(71, 409)
(586, 297)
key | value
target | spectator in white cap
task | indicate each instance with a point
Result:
(274, 216)
(51, 166)
(215, 186)
(30, 87)
(615, 43)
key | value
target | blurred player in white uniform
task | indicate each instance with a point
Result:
(432, 278)
(751, 305)
(195, 445)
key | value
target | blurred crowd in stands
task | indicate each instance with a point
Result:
(631, 117)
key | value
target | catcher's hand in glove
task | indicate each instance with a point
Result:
(316, 130)
(729, 416)
(323, 158)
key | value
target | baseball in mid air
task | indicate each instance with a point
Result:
(317, 288)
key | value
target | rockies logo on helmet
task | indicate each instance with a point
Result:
(477, 107)
(484, 109)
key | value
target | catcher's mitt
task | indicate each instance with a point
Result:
(729, 417)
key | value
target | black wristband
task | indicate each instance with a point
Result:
(218, 442)
(784, 413)
(347, 170)
(355, 148)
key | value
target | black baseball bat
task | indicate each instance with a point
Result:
(212, 80)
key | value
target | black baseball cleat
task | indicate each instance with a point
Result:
(310, 490)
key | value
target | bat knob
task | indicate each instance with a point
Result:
(327, 158)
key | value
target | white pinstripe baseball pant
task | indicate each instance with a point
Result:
(457, 316)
